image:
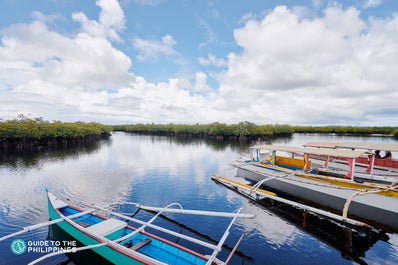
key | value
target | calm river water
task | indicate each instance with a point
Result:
(159, 170)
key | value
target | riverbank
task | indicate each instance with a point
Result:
(35, 134)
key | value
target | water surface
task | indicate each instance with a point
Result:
(156, 171)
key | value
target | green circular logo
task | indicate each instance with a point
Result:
(18, 246)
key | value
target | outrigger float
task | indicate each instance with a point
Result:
(255, 193)
(363, 199)
(350, 237)
(116, 241)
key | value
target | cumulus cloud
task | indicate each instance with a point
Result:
(295, 70)
(317, 3)
(111, 20)
(201, 82)
(83, 60)
(44, 71)
(152, 49)
(334, 68)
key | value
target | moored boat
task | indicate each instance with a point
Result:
(351, 237)
(373, 157)
(108, 234)
(321, 158)
(367, 200)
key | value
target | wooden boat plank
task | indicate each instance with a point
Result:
(106, 227)
(141, 244)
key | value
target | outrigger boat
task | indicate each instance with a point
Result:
(366, 200)
(352, 238)
(371, 149)
(116, 241)
(368, 165)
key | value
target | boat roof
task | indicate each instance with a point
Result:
(315, 151)
(354, 145)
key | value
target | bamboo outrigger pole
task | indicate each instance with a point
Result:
(40, 225)
(195, 212)
(228, 184)
(66, 251)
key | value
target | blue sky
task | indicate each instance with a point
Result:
(136, 61)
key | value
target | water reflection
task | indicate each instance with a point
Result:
(55, 233)
(33, 158)
(281, 225)
(157, 170)
(352, 242)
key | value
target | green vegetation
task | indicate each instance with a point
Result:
(248, 130)
(346, 130)
(25, 132)
(225, 131)
(39, 132)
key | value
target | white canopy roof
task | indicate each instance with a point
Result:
(314, 151)
(354, 145)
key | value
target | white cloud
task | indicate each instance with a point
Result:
(152, 49)
(111, 20)
(52, 75)
(209, 35)
(334, 69)
(212, 60)
(312, 71)
(372, 3)
(201, 83)
(246, 17)
(83, 60)
(317, 3)
(47, 19)
(346, 22)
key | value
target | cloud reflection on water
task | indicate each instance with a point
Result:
(156, 171)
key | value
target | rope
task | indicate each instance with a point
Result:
(361, 193)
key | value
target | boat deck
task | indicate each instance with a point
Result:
(141, 243)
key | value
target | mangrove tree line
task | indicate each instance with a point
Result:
(247, 130)
(27, 132)
(23, 132)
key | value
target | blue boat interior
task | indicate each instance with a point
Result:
(139, 242)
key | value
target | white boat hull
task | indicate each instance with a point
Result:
(374, 208)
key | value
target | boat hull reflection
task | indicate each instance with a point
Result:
(55, 233)
(351, 241)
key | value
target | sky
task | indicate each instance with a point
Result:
(304, 62)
